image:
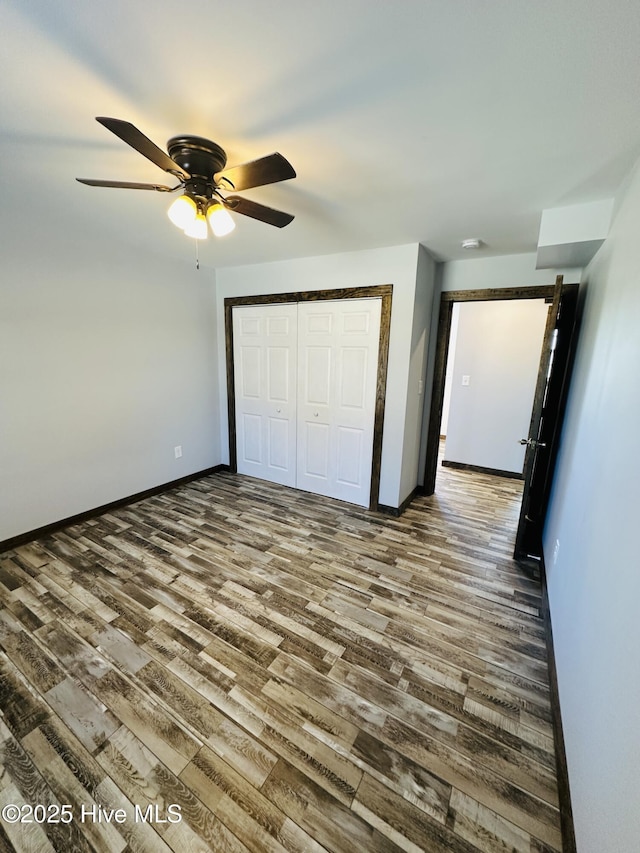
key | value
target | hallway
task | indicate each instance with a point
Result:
(293, 672)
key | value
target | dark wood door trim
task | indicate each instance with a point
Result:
(489, 294)
(447, 301)
(381, 291)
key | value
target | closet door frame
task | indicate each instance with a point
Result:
(381, 291)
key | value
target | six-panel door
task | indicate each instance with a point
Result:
(265, 359)
(337, 374)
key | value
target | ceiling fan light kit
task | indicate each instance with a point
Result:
(199, 166)
(220, 220)
(183, 211)
(188, 215)
(197, 228)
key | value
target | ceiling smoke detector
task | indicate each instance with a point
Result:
(471, 243)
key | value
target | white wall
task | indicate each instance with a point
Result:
(396, 265)
(448, 379)
(423, 304)
(498, 347)
(506, 271)
(594, 587)
(107, 361)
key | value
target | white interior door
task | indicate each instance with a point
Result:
(265, 365)
(337, 375)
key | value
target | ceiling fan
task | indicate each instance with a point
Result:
(199, 166)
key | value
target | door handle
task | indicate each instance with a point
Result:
(531, 442)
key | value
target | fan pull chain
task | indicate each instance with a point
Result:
(197, 254)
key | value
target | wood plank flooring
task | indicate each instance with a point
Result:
(270, 670)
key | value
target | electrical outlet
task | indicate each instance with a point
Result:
(178, 451)
(556, 551)
(466, 380)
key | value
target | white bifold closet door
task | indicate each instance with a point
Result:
(265, 343)
(337, 375)
(305, 378)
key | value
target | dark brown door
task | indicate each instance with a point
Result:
(546, 419)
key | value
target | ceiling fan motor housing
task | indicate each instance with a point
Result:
(201, 158)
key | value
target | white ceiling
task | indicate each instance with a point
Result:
(411, 121)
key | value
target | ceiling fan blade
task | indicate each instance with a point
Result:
(127, 185)
(267, 170)
(257, 211)
(130, 134)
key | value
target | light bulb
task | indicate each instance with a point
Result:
(220, 220)
(197, 228)
(183, 211)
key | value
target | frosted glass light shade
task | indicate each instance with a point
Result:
(220, 220)
(198, 228)
(183, 211)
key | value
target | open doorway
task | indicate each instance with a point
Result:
(552, 383)
(490, 382)
(448, 300)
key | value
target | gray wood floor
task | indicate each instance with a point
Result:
(281, 672)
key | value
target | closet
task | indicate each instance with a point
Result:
(305, 376)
